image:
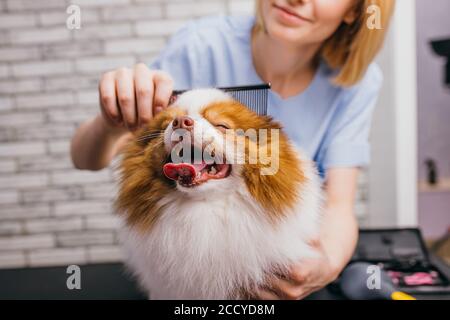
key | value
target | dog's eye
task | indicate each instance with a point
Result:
(222, 127)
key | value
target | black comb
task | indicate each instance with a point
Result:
(253, 96)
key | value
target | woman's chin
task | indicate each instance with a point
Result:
(285, 34)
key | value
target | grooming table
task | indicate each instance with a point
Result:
(103, 281)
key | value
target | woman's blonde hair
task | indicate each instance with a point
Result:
(352, 47)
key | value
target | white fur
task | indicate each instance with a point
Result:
(214, 239)
(194, 100)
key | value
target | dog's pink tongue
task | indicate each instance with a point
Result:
(186, 171)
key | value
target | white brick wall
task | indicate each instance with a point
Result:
(50, 213)
(41, 68)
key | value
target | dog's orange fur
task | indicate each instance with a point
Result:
(274, 192)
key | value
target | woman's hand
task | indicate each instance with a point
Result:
(304, 278)
(338, 238)
(130, 97)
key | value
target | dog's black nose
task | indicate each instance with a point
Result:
(183, 122)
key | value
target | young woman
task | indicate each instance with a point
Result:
(317, 54)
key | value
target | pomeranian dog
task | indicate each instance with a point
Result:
(220, 225)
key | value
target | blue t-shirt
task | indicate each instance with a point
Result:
(330, 123)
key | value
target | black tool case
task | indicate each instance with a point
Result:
(403, 251)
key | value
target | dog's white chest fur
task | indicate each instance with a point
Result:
(213, 247)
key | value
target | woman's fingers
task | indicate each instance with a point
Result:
(108, 99)
(299, 275)
(131, 97)
(144, 89)
(126, 97)
(286, 289)
(163, 90)
(267, 294)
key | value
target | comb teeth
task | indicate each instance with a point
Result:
(254, 97)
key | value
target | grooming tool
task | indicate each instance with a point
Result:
(404, 257)
(354, 284)
(253, 96)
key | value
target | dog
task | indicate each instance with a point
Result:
(216, 229)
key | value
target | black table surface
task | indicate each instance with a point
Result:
(99, 281)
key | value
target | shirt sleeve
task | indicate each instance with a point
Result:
(348, 144)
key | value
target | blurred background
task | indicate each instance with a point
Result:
(54, 215)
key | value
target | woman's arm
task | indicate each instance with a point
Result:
(95, 144)
(335, 245)
(340, 227)
(128, 99)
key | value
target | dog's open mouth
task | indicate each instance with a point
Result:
(194, 174)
